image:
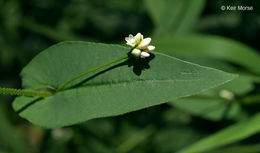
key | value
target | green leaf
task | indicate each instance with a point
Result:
(210, 108)
(239, 86)
(133, 137)
(210, 105)
(174, 16)
(208, 62)
(239, 149)
(211, 46)
(113, 92)
(227, 136)
(174, 138)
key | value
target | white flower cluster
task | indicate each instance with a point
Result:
(141, 47)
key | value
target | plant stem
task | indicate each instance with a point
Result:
(91, 70)
(23, 92)
(253, 99)
(136, 139)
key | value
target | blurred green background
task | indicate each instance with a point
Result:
(194, 30)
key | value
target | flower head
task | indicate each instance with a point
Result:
(140, 46)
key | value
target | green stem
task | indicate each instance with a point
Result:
(136, 139)
(253, 99)
(23, 92)
(91, 70)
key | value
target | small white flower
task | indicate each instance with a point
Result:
(144, 54)
(130, 40)
(141, 47)
(136, 52)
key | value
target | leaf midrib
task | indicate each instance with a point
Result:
(133, 82)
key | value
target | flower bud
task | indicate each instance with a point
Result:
(144, 43)
(136, 52)
(138, 38)
(151, 48)
(144, 54)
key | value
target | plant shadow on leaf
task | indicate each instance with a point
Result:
(139, 65)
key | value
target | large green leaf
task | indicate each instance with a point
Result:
(227, 136)
(174, 16)
(211, 46)
(113, 92)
